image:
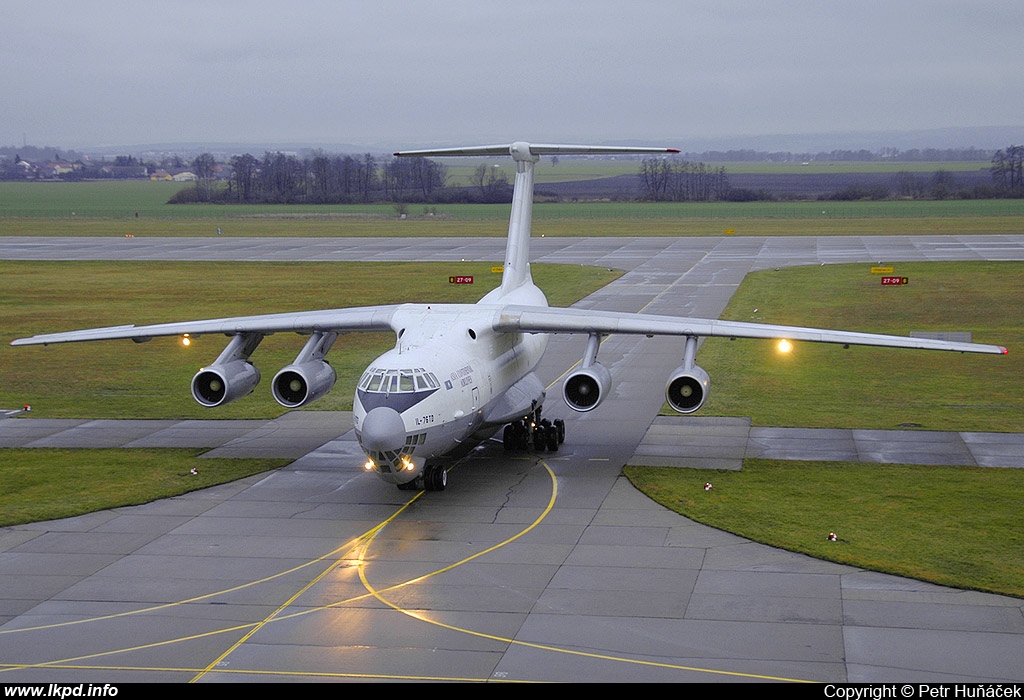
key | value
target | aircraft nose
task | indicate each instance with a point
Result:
(383, 431)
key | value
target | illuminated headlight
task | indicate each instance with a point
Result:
(407, 464)
(369, 466)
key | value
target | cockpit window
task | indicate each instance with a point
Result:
(402, 381)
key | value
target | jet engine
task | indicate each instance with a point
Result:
(297, 385)
(687, 389)
(585, 388)
(219, 384)
(231, 376)
(309, 377)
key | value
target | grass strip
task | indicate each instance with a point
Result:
(46, 484)
(954, 526)
(826, 386)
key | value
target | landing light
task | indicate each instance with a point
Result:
(785, 346)
(369, 466)
(407, 464)
(186, 340)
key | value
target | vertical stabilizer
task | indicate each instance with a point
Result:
(517, 250)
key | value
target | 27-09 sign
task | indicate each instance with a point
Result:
(460, 279)
(894, 280)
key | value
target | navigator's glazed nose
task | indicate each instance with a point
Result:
(383, 431)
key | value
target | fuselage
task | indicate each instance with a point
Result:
(443, 386)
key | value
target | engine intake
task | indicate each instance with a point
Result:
(219, 384)
(585, 389)
(300, 384)
(687, 389)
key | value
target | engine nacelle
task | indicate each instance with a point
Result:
(297, 385)
(586, 388)
(219, 384)
(687, 389)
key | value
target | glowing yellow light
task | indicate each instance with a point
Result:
(407, 464)
(185, 340)
(785, 345)
(369, 466)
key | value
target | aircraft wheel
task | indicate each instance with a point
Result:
(560, 429)
(435, 478)
(540, 438)
(508, 438)
(522, 436)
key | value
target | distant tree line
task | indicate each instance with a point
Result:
(320, 178)
(941, 184)
(679, 180)
(1007, 171)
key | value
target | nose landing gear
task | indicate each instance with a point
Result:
(435, 478)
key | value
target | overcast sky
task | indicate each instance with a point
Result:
(83, 73)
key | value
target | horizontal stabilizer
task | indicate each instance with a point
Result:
(522, 149)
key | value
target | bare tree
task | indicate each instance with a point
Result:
(682, 181)
(243, 177)
(203, 167)
(492, 183)
(1008, 169)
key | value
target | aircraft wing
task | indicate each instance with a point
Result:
(366, 318)
(530, 319)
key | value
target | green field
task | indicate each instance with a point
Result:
(109, 208)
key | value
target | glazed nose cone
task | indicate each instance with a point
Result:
(383, 431)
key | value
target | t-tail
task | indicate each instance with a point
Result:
(516, 272)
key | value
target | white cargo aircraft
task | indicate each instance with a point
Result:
(460, 372)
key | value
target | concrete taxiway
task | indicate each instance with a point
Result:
(545, 567)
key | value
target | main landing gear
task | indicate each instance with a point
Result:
(435, 478)
(540, 433)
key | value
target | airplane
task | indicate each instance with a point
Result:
(459, 373)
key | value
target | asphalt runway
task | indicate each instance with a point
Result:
(539, 567)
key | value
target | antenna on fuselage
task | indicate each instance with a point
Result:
(517, 249)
